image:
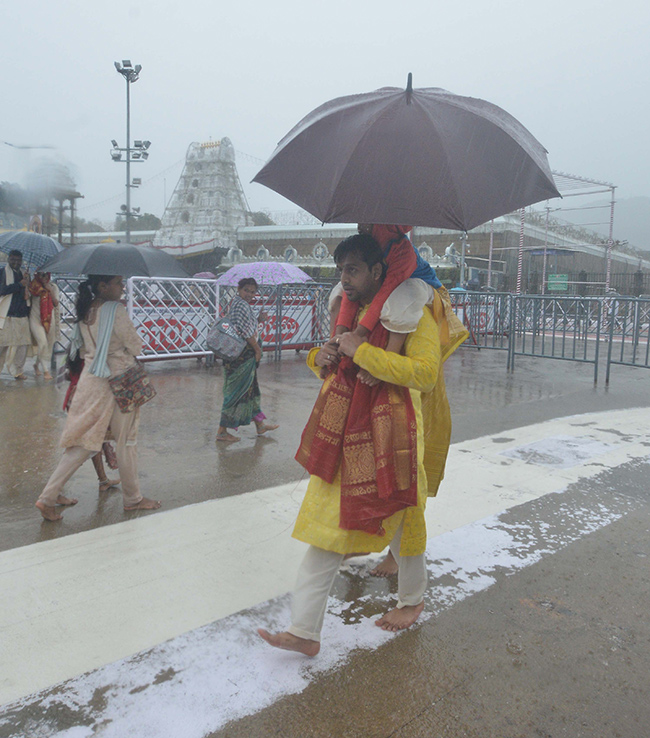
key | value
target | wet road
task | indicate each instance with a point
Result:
(180, 464)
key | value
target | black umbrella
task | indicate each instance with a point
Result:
(422, 157)
(125, 259)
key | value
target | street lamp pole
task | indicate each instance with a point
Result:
(138, 153)
(128, 157)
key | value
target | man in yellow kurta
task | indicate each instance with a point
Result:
(320, 521)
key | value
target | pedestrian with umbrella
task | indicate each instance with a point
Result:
(108, 342)
(424, 157)
(44, 321)
(15, 337)
(241, 392)
(112, 386)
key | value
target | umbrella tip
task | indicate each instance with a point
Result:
(409, 87)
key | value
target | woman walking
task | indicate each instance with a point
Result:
(241, 392)
(109, 344)
(44, 321)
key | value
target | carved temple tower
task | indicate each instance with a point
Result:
(208, 204)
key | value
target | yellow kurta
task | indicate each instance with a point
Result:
(420, 369)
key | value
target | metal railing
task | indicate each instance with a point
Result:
(564, 328)
(173, 316)
(628, 330)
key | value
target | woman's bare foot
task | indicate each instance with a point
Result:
(290, 642)
(37, 371)
(48, 512)
(20, 376)
(262, 428)
(106, 484)
(227, 438)
(61, 500)
(386, 568)
(144, 504)
(400, 618)
(47, 375)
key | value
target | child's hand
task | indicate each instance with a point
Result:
(365, 377)
(361, 332)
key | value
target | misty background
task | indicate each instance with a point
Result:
(574, 72)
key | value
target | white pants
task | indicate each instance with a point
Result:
(127, 463)
(44, 349)
(316, 576)
(15, 357)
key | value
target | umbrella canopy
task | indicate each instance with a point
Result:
(422, 157)
(124, 259)
(204, 275)
(35, 248)
(265, 272)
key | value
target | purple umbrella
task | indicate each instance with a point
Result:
(422, 157)
(265, 272)
(204, 275)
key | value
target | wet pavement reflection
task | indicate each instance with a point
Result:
(181, 464)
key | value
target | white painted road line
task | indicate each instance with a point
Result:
(77, 603)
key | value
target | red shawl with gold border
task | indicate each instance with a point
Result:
(370, 433)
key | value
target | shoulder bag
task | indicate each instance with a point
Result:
(224, 341)
(132, 388)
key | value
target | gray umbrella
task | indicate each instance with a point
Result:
(421, 157)
(125, 259)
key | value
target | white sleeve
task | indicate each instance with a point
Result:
(403, 308)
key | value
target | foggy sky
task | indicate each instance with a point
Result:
(574, 72)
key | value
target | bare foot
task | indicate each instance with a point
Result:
(48, 512)
(290, 642)
(61, 500)
(47, 375)
(385, 568)
(108, 483)
(263, 428)
(227, 438)
(144, 504)
(400, 618)
(20, 376)
(37, 371)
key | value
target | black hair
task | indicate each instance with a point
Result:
(245, 282)
(88, 292)
(15, 252)
(365, 247)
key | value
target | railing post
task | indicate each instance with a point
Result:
(611, 340)
(278, 322)
(597, 351)
(512, 337)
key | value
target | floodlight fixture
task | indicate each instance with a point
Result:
(114, 142)
(116, 155)
(136, 181)
(126, 63)
(118, 66)
(123, 208)
(145, 154)
(135, 210)
(138, 67)
(138, 144)
(146, 144)
(136, 155)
